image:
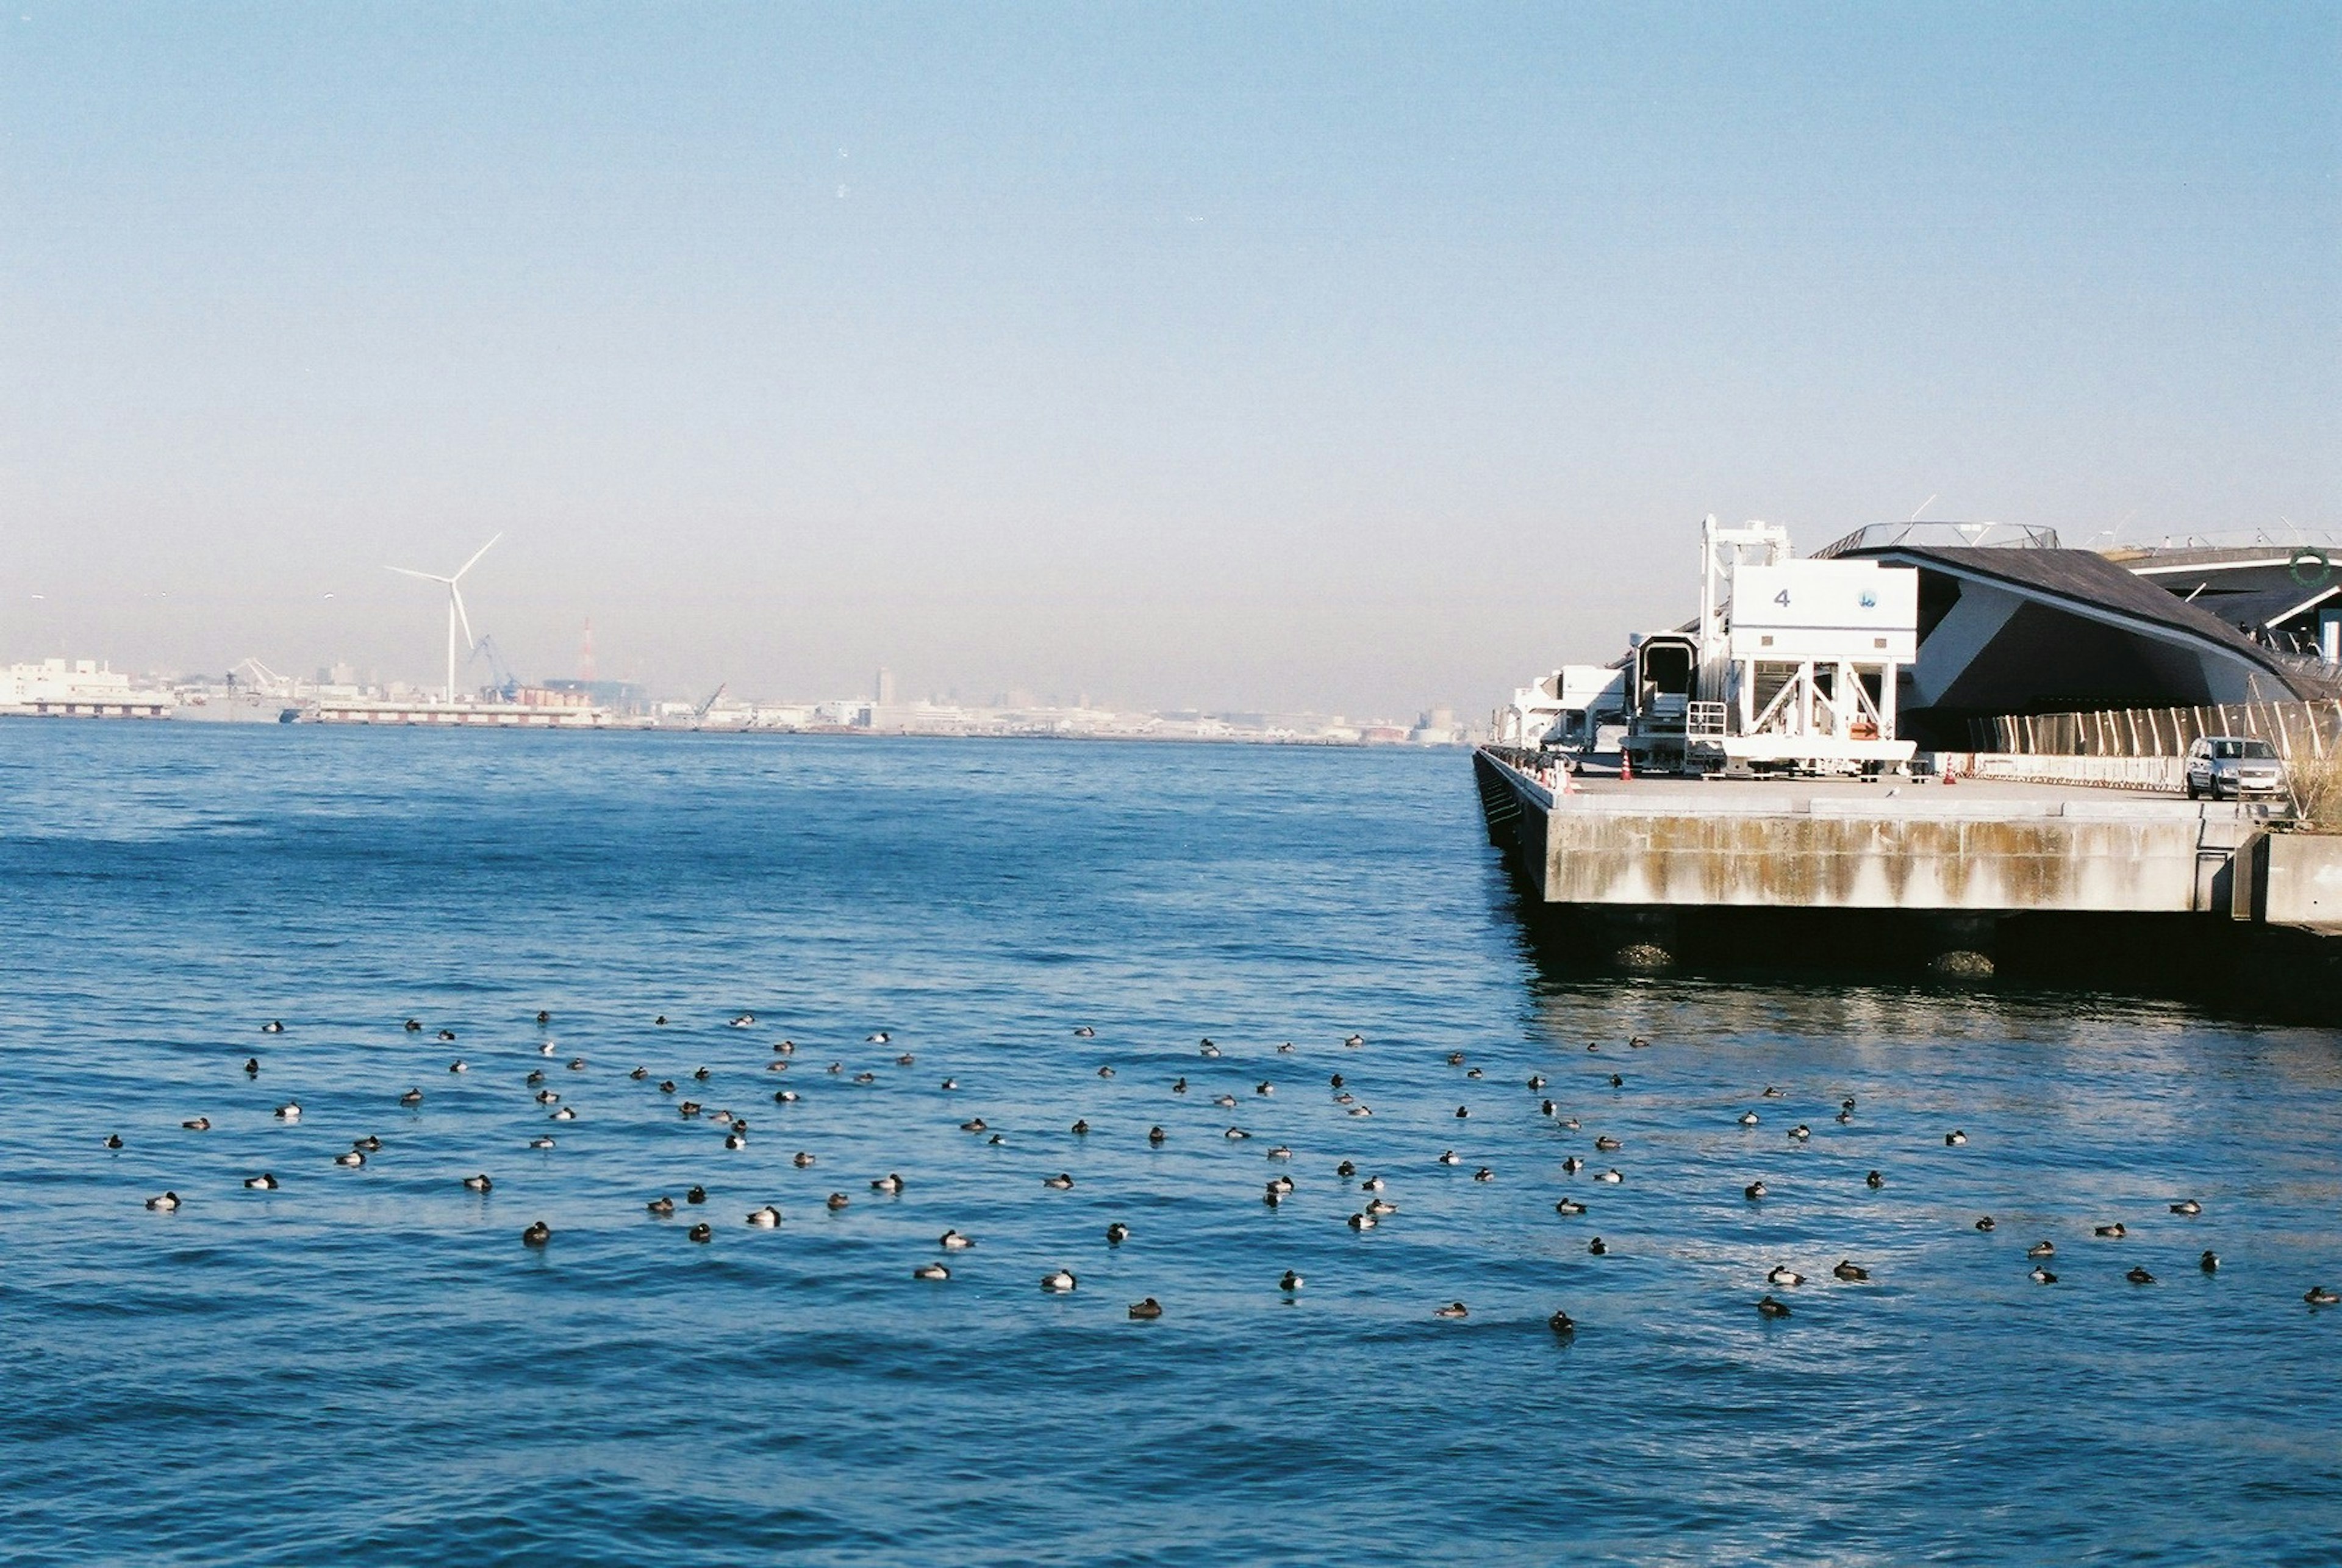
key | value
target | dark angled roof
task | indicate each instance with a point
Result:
(2084, 579)
(2266, 606)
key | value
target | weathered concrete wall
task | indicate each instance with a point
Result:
(2301, 880)
(1826, 860)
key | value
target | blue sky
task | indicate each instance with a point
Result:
(1355, 357)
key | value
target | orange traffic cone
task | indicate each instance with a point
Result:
(1626, 765)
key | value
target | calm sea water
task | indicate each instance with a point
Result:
(368, 1365)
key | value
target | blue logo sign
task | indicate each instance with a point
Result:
(1869, 600)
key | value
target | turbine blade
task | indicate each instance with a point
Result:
(457, 594)
(411, 572)
(476, 557)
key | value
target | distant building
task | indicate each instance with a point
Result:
(80, 688)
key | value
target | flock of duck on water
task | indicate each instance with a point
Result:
(1371, 1211)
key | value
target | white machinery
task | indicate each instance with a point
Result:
(1803, 655)
(1591, 699)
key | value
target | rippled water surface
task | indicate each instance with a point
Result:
(368, 1365)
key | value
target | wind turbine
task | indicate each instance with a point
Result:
(454, 607)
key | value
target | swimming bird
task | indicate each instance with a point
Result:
(1572, 1166)
(2209, 1263)
(993, 1142)
(931, 1272)
(866, 1078)
(1225, 1102)
(1263, 1090)
(1179, 1087)
(1800, 1133)
(949, 1084)
(1753, 1191)
(881, 1038)
(1771, 1093)
(1537, 1082)
(351, 1159)
(2187, 1206)
(660, 1020)
(1782, 1274)
(1285, 1049)
(1146, 1310)
(1462, 1111)
(1059, 1182)
(479, 1183)
(766, 1218)
(1346, 1169)
(537, 1235)
(1106, 1071)
(784, 1048)
(1636, 1040)
(2042, 1249)
(459, 1066)
(1353, 1041)
(700, 1075)
(731, 1140)
(542, 1017)
(1378, 1207)
(1873, 1180)
(1846, 1269)
(1484, 1175)
(1282, 1183)
(535, 1077)
(1569, 1206)
(1280, 1153)
(263, 1183)
(1232, 1133)
(1607, 1144)
(163, 1203)
(973, 1125)
(1208, 1049)
(414, 1026)
(1617, 1082)
(576, 1064)
(113, 1140)
(2139, 1276)
(1748, 1118)
(1452, 1310)
(1449, 1157)
(1291, 1282)
(1362, 1222)
(1117, 1233)
(252, 1066)
(197, 1125)
(412, 1097)
(2113, 1232)
(2319, 1295)
(745, 1021)
(1547, 1108)
(1561, 1323)
(548, 1097)
(687, 1109)
(2041, 1276)
(1984, 1222)
(836, 1200)
(1085, 1033)
(543, 1143)
(274, 1026)
(1156, 1135)
(907, 1060)
(1061, 1280)
(786, 1097)
(369, 1144)
(1081, 1129)
(1770, 1307)
(952, 1240)
(889, 1183)
(695, 1194)
(1843, 1117)
(1455, 1058)
(702, 1232)
(289, 1112)
(446, 1034)
(1361, 1111)
(666, 1086)
(1954, 1138)
(1611, 1177)
(1598, 1247)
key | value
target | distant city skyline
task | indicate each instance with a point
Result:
(1307, 357)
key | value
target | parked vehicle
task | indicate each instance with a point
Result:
(2233, 766)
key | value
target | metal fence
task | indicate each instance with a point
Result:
(2295, 729)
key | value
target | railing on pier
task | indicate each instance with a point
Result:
(2296, 729)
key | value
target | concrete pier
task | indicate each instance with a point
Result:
(1957, 880)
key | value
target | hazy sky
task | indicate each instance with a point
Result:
(1354, 357)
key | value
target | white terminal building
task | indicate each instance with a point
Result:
(80, 688)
